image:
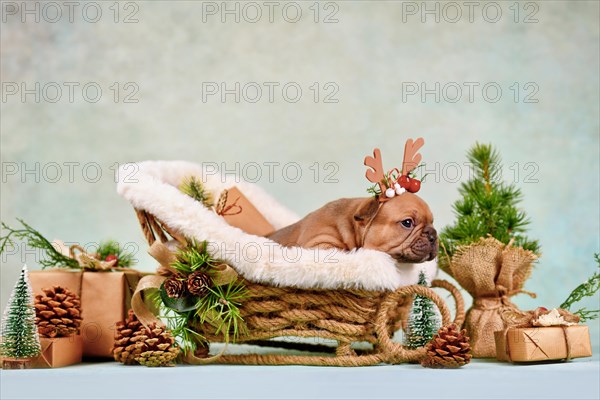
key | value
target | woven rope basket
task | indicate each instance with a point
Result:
(343, 316)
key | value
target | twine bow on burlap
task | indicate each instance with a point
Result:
(87, 261)
(164, 253)
(492, 273)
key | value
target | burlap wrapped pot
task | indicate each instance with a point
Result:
(491, 272)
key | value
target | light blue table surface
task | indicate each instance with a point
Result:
(578, 379)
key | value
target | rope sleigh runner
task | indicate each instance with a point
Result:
(346, 316)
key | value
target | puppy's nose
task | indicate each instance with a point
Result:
(431, 234)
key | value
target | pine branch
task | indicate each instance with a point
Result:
(180, 325)
(587, 315)
(36, 240)
(192, 258)
(111, 247)
(588, 288)
(219, 308)
(374, 191)
(194, 188)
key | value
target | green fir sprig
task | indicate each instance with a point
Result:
(221, 309)
(111, 247)
(181, 326)
(218, 308)
(487, 207)
(53, 258)
(587, 288)
(374, 190)
(413, 173)
(193, 257)
(194, 188)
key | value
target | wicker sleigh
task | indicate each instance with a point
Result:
(343, 316)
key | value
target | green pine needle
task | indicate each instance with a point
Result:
(181, 327)
(588, 288)
(194, 188)
(111, 247)
(219, 308)
(53, 258)
(192, 258)
(374, 190)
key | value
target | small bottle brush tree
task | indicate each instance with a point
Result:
(20, 338)
(423, 321)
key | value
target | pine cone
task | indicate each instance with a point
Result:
(198, 283)
(134, 344)
(175, 287)
(449, 348)
(58, 312)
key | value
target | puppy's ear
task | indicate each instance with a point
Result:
(366, 210)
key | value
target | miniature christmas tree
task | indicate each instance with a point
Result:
(487, 207)
(20, 338)
(485, 249)
(423, 321)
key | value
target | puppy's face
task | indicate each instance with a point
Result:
(403, 228)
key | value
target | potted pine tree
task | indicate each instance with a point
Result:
(486, 249)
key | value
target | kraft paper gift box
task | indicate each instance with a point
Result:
(249, 219)
(60, 352)
(542, 344)
(105, 300)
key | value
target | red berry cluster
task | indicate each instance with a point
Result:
(410, 184)
(112, 257)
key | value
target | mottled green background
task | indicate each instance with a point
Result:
(552, 145)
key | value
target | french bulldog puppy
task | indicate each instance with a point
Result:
(401, 227)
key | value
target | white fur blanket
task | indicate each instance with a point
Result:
(152, 186)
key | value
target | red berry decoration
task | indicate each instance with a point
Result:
(411, 185)
(415, 185)
(404, 182)
(112, 257)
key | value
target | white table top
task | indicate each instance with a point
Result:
(481, 379)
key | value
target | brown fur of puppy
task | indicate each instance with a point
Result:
(401, 227)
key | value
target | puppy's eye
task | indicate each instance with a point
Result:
(407, 223)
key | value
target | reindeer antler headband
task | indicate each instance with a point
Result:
(395, 182)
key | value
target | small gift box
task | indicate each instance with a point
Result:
(60, 352)
(105, 299)
(549, 337)
(238, 211)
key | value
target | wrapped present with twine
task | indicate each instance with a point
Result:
(105, 291)
(60, 352)
(492, 272)
(542, 335)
